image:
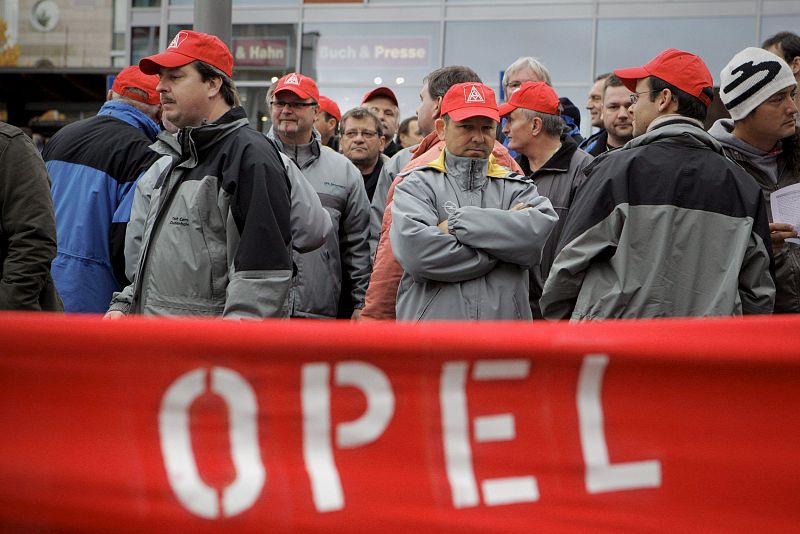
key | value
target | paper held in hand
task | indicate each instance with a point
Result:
(785, 204)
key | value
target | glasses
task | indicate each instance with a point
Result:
(635, 96)
(366, 134)
(279, 104)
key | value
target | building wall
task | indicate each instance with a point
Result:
(80, 38)
(576, 39)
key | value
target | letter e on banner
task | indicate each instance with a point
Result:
(326, 486)
(176, 443)
(601, 475)
(500, 427)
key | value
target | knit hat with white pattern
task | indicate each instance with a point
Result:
(751, 77)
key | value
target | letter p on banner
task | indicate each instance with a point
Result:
(326, 485)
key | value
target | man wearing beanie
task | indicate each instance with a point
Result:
(217, 239)
(550, 157)
(464, 229)
(666, 226)
(758, 88)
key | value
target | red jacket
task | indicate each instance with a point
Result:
(386, 272)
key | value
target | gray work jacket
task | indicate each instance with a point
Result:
(479, 268)
(317, 282)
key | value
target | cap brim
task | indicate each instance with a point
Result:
(381, 91)
(459, 115)
(296, 90)
(168, 59)
(630, 76)
(506, 109)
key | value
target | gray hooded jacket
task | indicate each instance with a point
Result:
(772, 172)
(479, 269)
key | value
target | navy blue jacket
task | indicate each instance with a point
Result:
(94, 165)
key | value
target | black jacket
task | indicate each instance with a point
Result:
(27, 226)
(666, 226)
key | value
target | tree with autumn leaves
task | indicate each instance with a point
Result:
(9, 54)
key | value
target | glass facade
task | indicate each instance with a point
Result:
(144, 42)
(349, 49)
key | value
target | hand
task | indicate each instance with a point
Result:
(780, 232)
(356, 315)
(114, 314)
(519, 207)
(443, 226)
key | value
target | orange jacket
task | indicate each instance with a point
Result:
(386, 272)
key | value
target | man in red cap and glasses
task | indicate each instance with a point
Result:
(549, 156)
(665, 226)
(465, 229)
(217, 238)
(343, 260)
(95, 164)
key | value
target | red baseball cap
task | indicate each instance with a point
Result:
(470, 99)
(330, 107)
(380, 91)
(133, 78)
(302, 86)
(188, 46)
(536, 96)
(685, 71)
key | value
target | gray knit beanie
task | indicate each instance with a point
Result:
(751, 77)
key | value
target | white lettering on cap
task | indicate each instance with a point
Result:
(178, 40)
(292, 80)
(474, 95)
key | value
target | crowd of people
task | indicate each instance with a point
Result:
(168, 202)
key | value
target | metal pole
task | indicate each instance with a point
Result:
(214, 17)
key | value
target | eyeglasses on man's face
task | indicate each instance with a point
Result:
(635, 96)
(366, 134)
(280, 104)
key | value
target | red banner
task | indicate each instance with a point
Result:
(144, 425)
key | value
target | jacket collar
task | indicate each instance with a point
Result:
(558, 162)
(195, 140)
(315, 145)
(166, 144)
(676, 128)
(470, 173)
(127, 113)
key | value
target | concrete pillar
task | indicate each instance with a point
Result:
(214, 17)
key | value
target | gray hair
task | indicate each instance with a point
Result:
(361, 113)
(151, 110)
(552, 125)
(532, 63)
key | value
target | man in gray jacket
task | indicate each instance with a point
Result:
(549, 156)
(318, 278)
(217, 240)
(758, 87)
(466, 230)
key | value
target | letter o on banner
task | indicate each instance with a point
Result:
(176, 443)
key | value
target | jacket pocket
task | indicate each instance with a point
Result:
(428, 304)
